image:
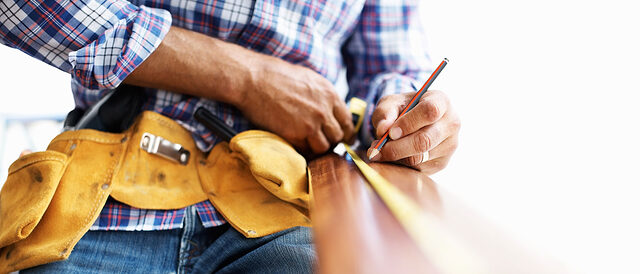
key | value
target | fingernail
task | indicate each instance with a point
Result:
(395, 133)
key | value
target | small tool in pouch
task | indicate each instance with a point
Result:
(214, 124)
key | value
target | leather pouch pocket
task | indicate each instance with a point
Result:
(22, 207)
(275, 164)
(258, 183)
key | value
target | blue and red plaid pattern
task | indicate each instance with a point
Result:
(379, 43)
(118, 216)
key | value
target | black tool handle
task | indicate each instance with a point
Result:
(213, 123)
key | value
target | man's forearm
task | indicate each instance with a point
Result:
(290, 100)
(195, 64)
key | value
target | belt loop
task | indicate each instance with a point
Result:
(165, 148)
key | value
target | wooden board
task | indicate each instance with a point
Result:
(354, 232)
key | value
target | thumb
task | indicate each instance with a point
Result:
(25, 152)
(386, 113)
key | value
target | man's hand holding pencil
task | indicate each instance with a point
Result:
(419, 130)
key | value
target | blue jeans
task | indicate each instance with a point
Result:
(192, 249)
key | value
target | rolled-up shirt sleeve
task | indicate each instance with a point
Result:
(100, 42)
(386, 54)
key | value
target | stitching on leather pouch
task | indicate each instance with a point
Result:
(35, 160)
(166, 123)
(239, 138)
(96, 202)
(97, 140)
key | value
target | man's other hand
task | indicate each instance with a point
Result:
(298, 104)
(424, 138)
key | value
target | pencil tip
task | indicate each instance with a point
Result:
(374, 152)
(446, 60)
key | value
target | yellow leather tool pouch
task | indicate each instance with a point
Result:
(258, 182)
(150, 181)
(41, 172)
(64, 187)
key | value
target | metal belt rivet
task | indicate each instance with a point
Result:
(105, 186)
(252, 232)
(183, 157)
(159, 146)
(146, 140)
(73, 146)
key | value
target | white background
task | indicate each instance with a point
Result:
(548, 94)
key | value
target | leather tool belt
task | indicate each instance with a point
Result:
(258, 182)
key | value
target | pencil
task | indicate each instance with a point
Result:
(414, 101)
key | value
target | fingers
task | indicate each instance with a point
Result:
(414, 144)
(332, 130)
(437, 157)
(343, 117)
(432, 166)
(318, 142)
(386, 112)
(431, 108)
(339, 126)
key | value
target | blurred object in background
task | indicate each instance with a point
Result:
(18, 133)
(34, 98)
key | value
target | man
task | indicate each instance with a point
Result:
(274, 65)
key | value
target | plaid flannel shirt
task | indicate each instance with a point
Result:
(379, 43)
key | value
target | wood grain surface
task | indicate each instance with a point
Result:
(355, 232)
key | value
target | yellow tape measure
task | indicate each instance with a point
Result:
(441, 247)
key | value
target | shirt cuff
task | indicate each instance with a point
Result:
(382, 86)
(108, 60)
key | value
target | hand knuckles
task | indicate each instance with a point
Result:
(317, 114)
(422, 142)
(377, 114)
(392, 153)
(308, 127)
(294, 137)
(322, 148)
(414, 123)
(414, 160)
(338, 136)
(406, 123)
(431, 110)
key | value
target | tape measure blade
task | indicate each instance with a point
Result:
(436, 242)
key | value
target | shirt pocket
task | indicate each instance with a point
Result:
(25, 196)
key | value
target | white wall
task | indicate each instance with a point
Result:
(549, 97)
(549, 102)
(29, 89)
